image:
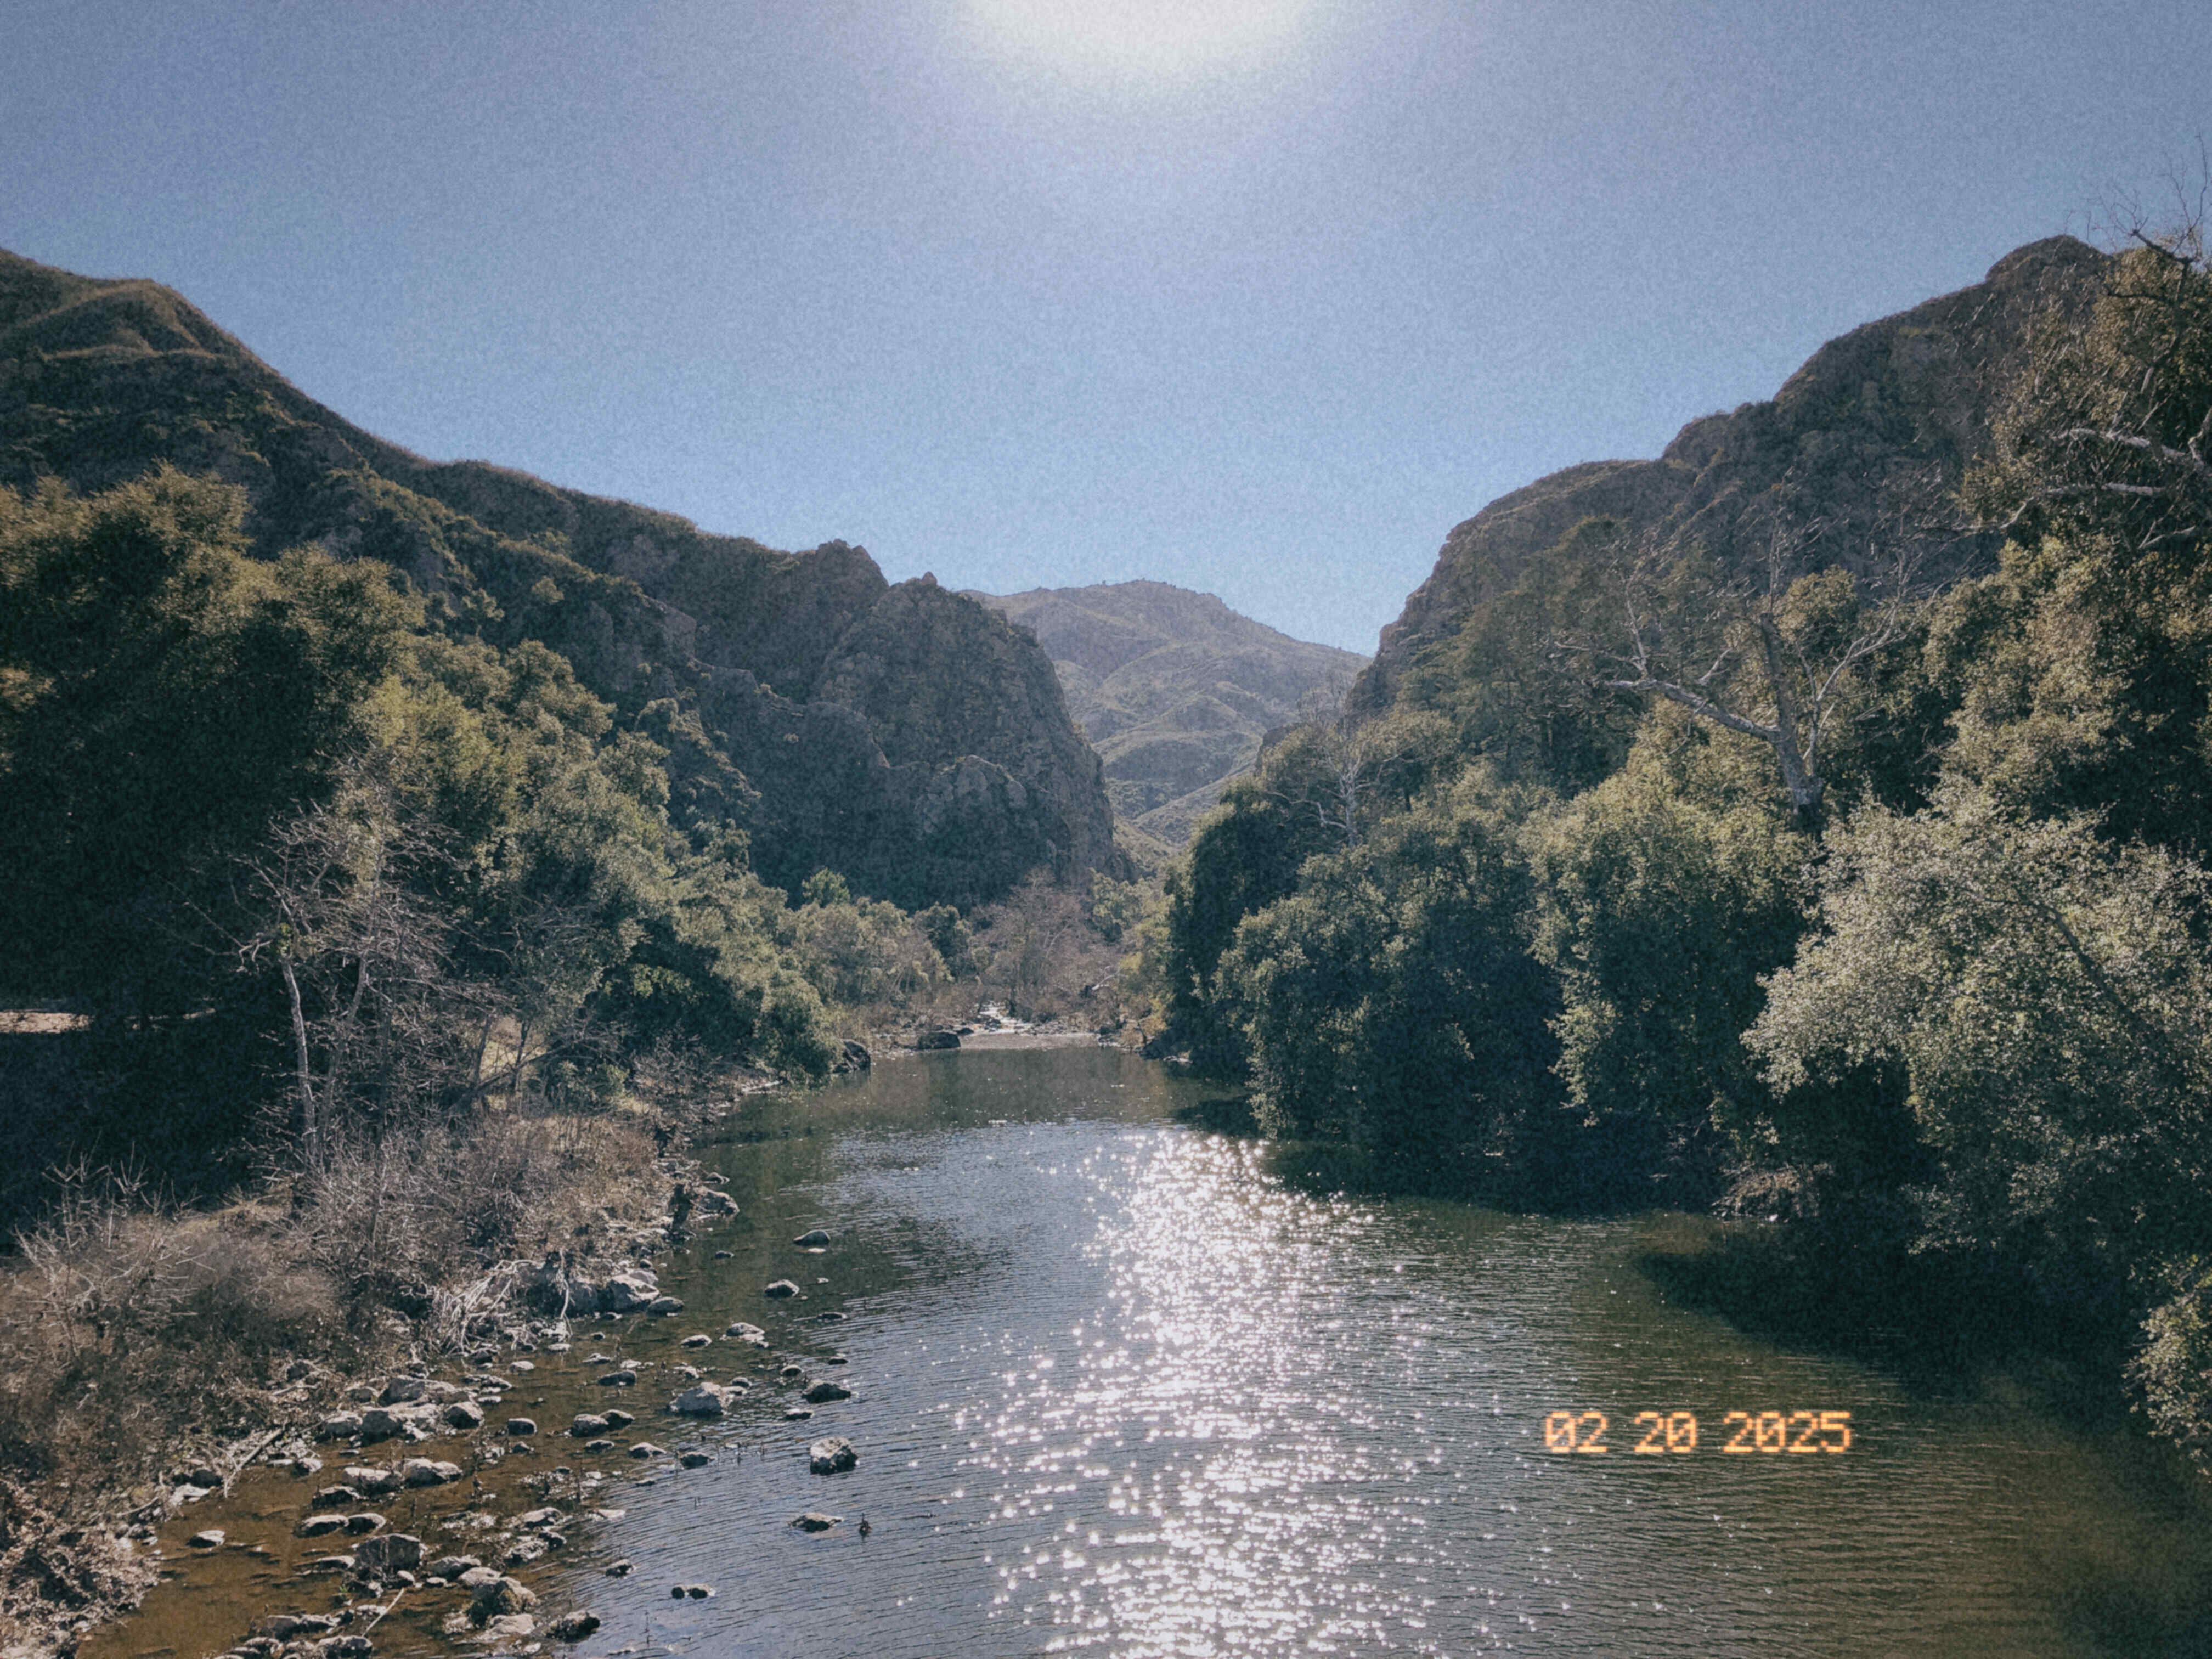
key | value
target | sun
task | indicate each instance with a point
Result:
(1159, 39)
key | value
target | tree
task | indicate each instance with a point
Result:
(1774, 654)
(2050, 1001)
(1391, 1002)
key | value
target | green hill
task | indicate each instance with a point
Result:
(1174, 689)
(904, 736)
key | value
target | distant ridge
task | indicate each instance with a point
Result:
(1173, 688)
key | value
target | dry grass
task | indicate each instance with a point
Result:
(129, 1329)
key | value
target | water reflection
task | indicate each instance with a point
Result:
(1119, 1388)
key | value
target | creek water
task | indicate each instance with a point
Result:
(1127, 1387)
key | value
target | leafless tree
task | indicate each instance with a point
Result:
(1770, 652)
(1346, 759)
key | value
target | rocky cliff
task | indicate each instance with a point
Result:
(902, 735)
(1174, 689)
(1876, 424)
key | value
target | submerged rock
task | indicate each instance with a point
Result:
(813, 1240)
(781, 1290)
(585, 1424)
(822, 1393)
(574, 1626)
(815, 1521)
(751, 1335)
(707, 1399)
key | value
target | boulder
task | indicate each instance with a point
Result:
(521, 1426)
(707, 1399)
(373, 1482)
(815, 1521)
(629, 1291)
(384, 1422)
(423, 1472)
(619, 1419)
(695, 1460)
(618, 1380)
(404, 1391)
(585, 1424)
(450, 1567)
(396, 1551)
(500, 1596)
(697, 1592)
(938, 1040)
(698, 1340)
(465, 1415)
(822, 1393)
(645, 1449)
(779, 1290)
(209, 1539)
(814, 1240)
(832, 1455)
(857, 1055)
(340, 1426)
(367, 1521)
(572, 1626)
(714, 1203)
(335, 1498)
(752, 1336)
(320, 1526)
(661, 1306)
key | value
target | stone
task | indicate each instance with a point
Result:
(520, 1426)
(508, 1626)
(715, 1203)
(423, 1472)
(372, 1482)
(320, 1526)
(525, 1550)
(751, 1335)
(797, 1414)
(396, 1551)
(450, 1567)
(940, 1039)
(618, 1380)
(340, 1426)
(698, 1340)
(211, 1538)
(572, 1626)
(697, 1592)
(782, 1289)
(814, 1240)
(501, 1595)
(857, 1055)
(335, 1498)
(475, 1578)
(792, 1373)
(382, 1423)
(661, 1306)
(629, 1291)
(645, 1449)
(822, 1393)
(363, 1524)
(815, 1521)
(694, 1460)
(707, 1399)
(598, 1446)
(403, 1390)
(833, 1455)
(619, 1419)
(465, 1415)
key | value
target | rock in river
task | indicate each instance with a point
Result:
(585, 1424)
(938, 1040)
(822, 1393)
(782, 1289)
(752, 1336)
(574, 1626)
(815, 1521)
(395, 1551)
(707, 1399)
(814, 1240)
(832, 1455)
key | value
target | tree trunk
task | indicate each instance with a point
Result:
(304, 1127)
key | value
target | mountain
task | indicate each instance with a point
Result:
(903, 735)
(1876, 424)
(1174, 689)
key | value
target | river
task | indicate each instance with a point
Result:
(1126, 1387)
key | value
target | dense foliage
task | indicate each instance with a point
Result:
(1788, 884)
(321, 865)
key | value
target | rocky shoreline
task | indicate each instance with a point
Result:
(434, 1430)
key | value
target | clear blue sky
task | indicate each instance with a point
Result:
(1258, 296)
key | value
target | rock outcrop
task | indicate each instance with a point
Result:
(1877, 422)
(901, 735)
